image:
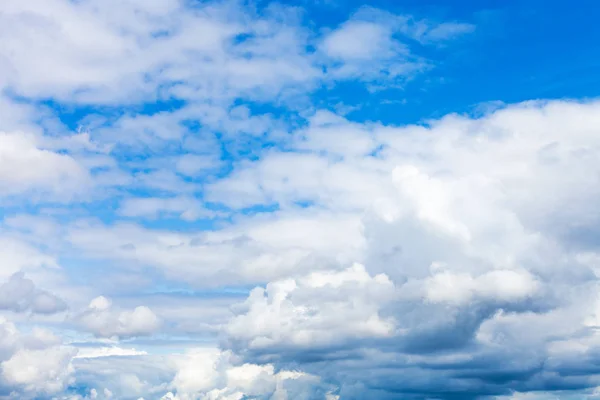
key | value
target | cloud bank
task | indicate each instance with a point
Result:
(191, 212)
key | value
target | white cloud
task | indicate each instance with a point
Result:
(104, 320)
(203, 373)
(127, 377)
(92, 52)
(40, 371)
(218, 51)
(501, 285)
(475, 239)
(358, 40)
(208, 374)
(112, 351)
(246, 252)
(27, 168)
(18, 255)
(369, 51)
(20, 294)
(374, 45)
(466, 244)
(336, 135)
(33, 365)
(323, 308)
(467, 220)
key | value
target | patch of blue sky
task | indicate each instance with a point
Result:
(171, 344)
(175, 289)
(520, 50)
(85, 271)
(305, 203)
(101, 271)
(175, 223)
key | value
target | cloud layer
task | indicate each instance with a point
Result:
(196, 206)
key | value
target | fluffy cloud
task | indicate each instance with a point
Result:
(39, 371)
(321, 309)
(200, 373)
(26, 167)
(463, 241)
(457, 258)
(209, 374)
(462, 238)
(474, 236)
(504, 285)
(33, 365)
(126, 377)
(104, 320)
(20, 294)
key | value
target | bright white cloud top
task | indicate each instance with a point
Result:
(196, 206)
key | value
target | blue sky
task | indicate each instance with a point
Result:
(299, 200)
(533, 49)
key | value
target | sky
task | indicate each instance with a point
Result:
(320, 199)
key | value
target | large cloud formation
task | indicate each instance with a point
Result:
(475, 273)
(33, 365)
(480, 263)
(183, 219)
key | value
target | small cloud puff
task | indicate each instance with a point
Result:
(104, 320)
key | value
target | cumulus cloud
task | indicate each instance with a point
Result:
(457, 258)
(464, 246)
(210, 374)
(322, 309)
(205, 373)
(40, 371)
(462, 240)
(20, 294)
(503, 285)
(126, 377)
(33, 365)
(470, 231)
(104, 320)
